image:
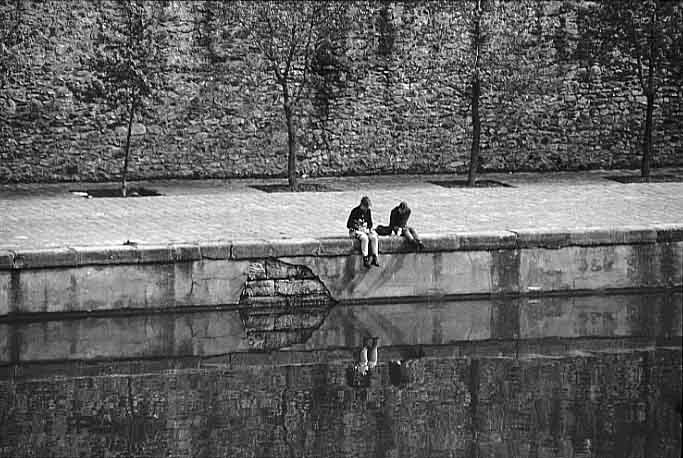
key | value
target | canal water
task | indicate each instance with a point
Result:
(582, 376)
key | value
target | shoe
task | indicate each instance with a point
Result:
(366, 261)
(420, 245)
(374, 261)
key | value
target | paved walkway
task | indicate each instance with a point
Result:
(38, 216)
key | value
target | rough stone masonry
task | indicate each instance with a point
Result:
(385, 104)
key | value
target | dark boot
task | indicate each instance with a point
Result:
(366, 261)
(374, 260)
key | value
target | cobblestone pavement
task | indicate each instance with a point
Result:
(38, 216)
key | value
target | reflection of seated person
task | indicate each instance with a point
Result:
(359, 374)
(367, 358)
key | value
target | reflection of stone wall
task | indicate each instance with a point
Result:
(271, 322)
(282, 304)
(391, 110)
(607, 405)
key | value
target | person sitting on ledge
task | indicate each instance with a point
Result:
(359, 225)
(398, 222)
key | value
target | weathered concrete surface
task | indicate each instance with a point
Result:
(131, 286)
(404, 274)
(171, 334)
(600, 267)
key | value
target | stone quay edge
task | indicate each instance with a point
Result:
(75, 256)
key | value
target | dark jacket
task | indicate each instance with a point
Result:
(358, 217)
(398, 219)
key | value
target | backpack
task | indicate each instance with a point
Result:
(383, 230)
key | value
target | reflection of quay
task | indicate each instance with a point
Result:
(505, 325)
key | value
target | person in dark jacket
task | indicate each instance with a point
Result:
(398, 222)
(359, 225)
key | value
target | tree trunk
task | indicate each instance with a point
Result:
(476, 92)
(650, 95)
(476, 134)
(291, 144)
(647, 138)
(124, 172)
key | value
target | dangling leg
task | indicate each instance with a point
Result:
(372, 358)
(415, 237)
(408, 235)
(363, 359)
(374, 247)
(363, 237)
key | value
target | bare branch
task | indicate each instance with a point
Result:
(293, 44)
(269, 52)
(455, 87)
(636, 43)
(652, 64)
(307, 58)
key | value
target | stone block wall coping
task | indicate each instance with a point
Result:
(332, 246)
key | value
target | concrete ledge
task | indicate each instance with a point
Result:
(53, 257)
(253, 249)
(612, 236)
(338, 246)
(6, 259)
(529, 238)
(215, 251)
(332, 246)
(490, 240)
(114, 254)
(670, 234)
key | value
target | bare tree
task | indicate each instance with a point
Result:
(285, 34)
(646, 36)
(126, 64)
(488, 59)
(465, 69)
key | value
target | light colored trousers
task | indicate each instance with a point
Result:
(366, 238)
(367, 359)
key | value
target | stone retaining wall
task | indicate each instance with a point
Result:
(276, 293)
(155, 277)
(391, 110)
